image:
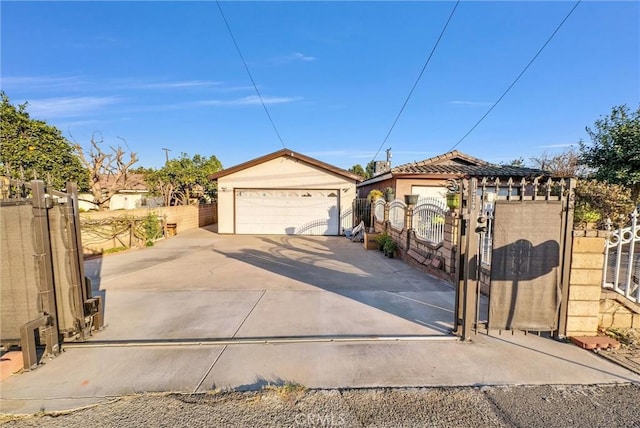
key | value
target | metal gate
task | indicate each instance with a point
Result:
(44, 295)
(361, 211)
(515, 236)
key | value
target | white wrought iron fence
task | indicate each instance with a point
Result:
(397, 210)
(429, 218)
(622, 260)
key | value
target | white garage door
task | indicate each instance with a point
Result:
(287, 212)
(437, 192)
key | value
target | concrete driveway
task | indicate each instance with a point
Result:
(208, 286)
(202, 311)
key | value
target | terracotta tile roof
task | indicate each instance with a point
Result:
(457, 163)
(470, 170)
(450, 158)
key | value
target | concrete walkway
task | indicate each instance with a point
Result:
(203, 311)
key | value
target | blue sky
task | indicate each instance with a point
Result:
(333, 75)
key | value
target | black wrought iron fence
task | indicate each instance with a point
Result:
(362, 211)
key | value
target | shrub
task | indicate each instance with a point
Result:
(602, 200)
(389, 246)
(586, 214)
(152, 228)
(382, 239)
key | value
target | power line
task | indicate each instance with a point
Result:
(519, 76)
(246, 67)
(418, 79)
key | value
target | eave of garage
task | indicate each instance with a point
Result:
(287, 153)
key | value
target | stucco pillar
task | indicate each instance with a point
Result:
(386, 213)
(450, 244)
(408, 224)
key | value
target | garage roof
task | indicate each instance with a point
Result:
(286, 153)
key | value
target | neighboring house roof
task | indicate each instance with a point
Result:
(458, 164)
(489, 170)
(286, 153)
(133, 182)
(453, 158)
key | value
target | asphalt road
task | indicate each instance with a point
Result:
(290, 406)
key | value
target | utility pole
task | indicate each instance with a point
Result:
(166, 152)
(389, 156)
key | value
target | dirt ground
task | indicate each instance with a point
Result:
(629, 353)
(544, 406)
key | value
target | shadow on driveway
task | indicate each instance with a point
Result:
(207, 288)
(346, 269)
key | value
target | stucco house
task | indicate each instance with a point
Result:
(428, 177)
(285, 193)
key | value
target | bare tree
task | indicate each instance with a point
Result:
(108, 171)
(565, 164)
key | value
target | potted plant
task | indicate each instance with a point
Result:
(453, 200)
(381, 240)
(389, 248)
(374, 195)
(411, 199)
(389, 194)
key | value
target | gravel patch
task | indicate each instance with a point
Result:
(563, 406)
(433, 407)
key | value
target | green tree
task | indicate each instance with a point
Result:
(614, 151)
(35, 148)
(184, 180)
(367, 172)
(358, 170)
(370, 169)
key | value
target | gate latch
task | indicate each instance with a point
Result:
(482, 224)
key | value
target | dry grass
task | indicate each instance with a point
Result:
(628, 337)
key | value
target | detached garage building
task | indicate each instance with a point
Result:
(285, 193)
